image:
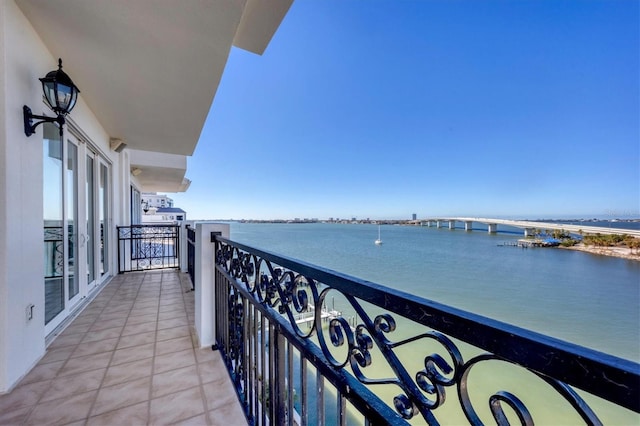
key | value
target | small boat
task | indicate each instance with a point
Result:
(378, 241)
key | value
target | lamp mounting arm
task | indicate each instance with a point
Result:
(30, 128)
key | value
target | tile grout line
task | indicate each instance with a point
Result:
(69, 357)
(89, 413)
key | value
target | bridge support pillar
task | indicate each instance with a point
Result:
(492, 228)
(529, 232)
(438, 224)
(468, 225)
(452, 224)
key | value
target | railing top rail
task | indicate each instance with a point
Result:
(150, 225)
(604, 375)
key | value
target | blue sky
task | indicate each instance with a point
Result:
(381, 109)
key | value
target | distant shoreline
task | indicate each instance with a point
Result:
(621, 252)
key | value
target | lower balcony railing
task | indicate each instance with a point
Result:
(143, 247)
(306, 345)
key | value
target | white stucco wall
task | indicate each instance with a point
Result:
(23, 59)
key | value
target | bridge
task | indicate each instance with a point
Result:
(528, 226)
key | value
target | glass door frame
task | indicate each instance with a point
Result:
(75, 198)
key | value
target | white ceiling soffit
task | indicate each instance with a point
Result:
(149, 69)
(159, 172)
(259, 23)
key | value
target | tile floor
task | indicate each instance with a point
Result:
(129, 358)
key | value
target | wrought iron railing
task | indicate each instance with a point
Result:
(382, 356)
(53, 251)
(142, 247)
(191, 254)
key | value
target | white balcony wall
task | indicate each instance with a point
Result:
(23, 59)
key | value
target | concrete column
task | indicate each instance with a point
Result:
(468, 225)
(529, 232)
(452, 224)
(204, 281)
(438, 224)
(492, 228)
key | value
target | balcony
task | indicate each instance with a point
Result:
(300, 345)
(130, 357)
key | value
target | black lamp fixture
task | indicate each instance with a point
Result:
(61, 96)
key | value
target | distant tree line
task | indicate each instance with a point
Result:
(600, 240)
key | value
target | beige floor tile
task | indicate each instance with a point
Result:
(173, 360)
(23, 396)
(173, 302)
(170, 308)
(134, 353)
(66, 386)
(174, 322)
(121, 395)
(137, 414)
(99, 346)
(171, 315)
(149, 310)
(213, 372)
(194, 421)
(173, 345)
(121, 373)
(104, 361)
(108, 316)
(227, 415)
(102, 325)
(84, 318)
(14, 416)
(174, 380)
(139, 328)
(76, 328)
(140, 319)
(219, 393)
(176, 407)
(207, 355)
(146, 302)
(85, 363)
(108, 333)
(173, 333)
(62, 341)
(43, 371)
(59, 354)
(136, 339)
(62, 411)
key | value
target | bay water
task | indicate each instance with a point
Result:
(578, 297)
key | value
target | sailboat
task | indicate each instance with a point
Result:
(378, 241)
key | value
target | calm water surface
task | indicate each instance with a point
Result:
(578, 297)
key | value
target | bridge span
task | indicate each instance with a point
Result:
(528, 226)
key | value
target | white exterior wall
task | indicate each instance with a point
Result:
(23, 59)
(155, 200)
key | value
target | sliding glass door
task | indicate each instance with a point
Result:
(76, 222)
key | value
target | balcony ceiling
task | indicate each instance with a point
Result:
(149, 69)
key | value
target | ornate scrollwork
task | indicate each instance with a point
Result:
(290, 294)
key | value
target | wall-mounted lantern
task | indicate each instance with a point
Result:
(60, 94)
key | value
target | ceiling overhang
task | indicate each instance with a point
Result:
(159, 172)
(149, 69)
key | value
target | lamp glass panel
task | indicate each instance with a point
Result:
(64, 97)
(49, 93)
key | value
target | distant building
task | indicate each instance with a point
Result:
(158, 208)
(152, 199)
(414, 216)
(169, 215)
